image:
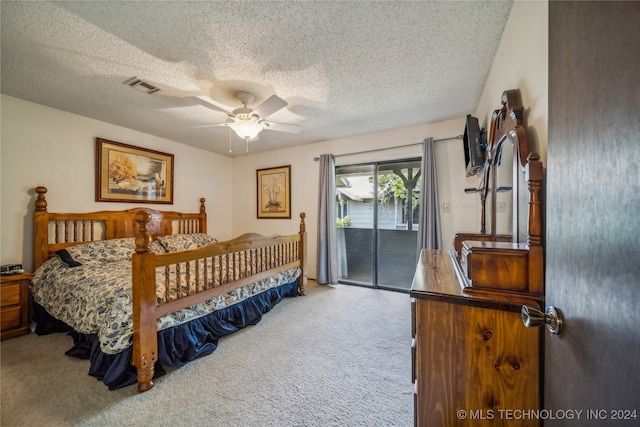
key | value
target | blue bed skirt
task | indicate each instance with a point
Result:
(176, 346)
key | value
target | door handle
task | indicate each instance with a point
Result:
(533, 317)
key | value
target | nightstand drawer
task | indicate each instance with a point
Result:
(14, 305)
(10, 295)
(10, 317)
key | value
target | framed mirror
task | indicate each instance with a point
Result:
(506, 156)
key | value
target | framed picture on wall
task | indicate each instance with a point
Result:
(274, 192)
(125, 173)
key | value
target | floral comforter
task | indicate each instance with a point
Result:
(88, 287)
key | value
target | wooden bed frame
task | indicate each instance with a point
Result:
(263, 256)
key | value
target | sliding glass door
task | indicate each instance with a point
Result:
(377, 221)
(355, 202)
(397, 226)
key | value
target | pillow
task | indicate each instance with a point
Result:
(103, 251)
(182, 242)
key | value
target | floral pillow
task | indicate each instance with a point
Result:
(103, 252)
(182, 242)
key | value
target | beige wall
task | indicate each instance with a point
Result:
(522, 63)
(45, 146)
(304, 175)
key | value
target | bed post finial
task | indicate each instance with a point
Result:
(202, 210)
(302, 254)
(40, 229)
(143, 238)
(303, 226)
(41, 202)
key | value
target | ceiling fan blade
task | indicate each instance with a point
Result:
(283, 127)
(270, 106)
(210, 103)
(210, 125)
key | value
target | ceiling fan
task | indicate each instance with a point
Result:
(247, 122)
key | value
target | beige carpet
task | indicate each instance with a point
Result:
(339, 356)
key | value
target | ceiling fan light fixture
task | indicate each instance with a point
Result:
(246, 122)
(247, 129)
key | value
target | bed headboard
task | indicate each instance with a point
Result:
(55, 231)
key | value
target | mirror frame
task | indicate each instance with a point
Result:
(506, 126)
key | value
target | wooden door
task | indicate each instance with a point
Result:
(593, 213)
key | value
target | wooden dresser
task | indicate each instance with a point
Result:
(474, 362)
(14, 304)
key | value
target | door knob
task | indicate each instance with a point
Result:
(533, 317)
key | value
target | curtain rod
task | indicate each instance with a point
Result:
(391, 148)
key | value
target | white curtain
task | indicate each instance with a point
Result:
(327, 263)
(429, 234)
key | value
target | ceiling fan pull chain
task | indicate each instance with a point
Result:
(230, 141)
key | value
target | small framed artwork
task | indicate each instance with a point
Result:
(125, 173)
(274, 192)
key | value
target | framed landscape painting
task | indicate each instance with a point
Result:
(125, 173)
(274, 192)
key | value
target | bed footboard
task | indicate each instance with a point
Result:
(210, 271)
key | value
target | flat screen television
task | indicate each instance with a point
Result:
(474, 146)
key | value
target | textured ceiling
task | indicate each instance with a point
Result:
(345, 68)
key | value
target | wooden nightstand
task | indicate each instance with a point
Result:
(14, 304)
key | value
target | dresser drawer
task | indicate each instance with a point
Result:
(10, 295)
(10, 317)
